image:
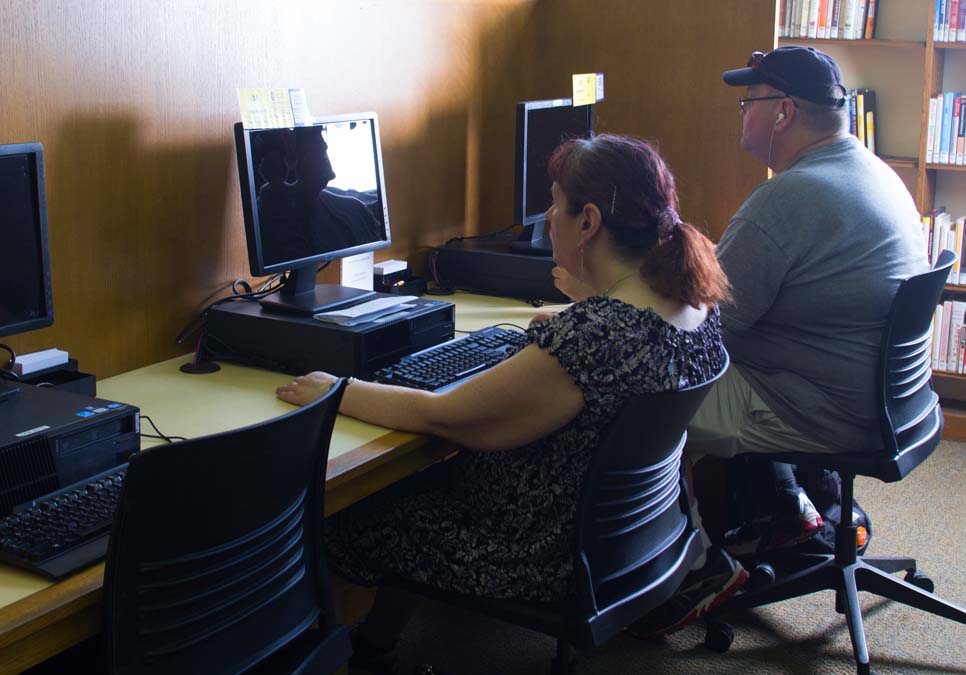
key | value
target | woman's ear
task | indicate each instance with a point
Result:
(590, 223)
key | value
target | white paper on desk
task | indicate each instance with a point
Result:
(367, 311)
(357, 271)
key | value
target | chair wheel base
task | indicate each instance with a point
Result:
(762, 575)
(718, 636)
(920, 580)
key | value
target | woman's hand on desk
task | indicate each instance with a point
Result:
(306, 388)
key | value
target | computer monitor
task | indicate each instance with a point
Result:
(541, 127)
(26, 300)
(312, 194)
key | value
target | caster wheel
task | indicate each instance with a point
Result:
(919, 579)
(718, 637)
(763, 574)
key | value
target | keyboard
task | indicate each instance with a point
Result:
(63, 531)
(445, 365)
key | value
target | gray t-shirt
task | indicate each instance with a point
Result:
(815, 256)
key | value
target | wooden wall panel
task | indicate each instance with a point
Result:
(134, 102)
(662, 63)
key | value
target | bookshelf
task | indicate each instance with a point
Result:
(905, 58)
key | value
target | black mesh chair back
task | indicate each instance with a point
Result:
(911, 425)
(912, 421)
(215, 562)
(635, 541)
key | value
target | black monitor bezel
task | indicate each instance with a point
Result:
(524, 108)
(246, 179)
(36, 151)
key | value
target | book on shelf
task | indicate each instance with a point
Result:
(961, 133)
(944, 334)
(937, 323)
(955, 356)
(954, 127)
(947, 121)
(949, 21)
(862, 116)
(930, 130)
(828, 19)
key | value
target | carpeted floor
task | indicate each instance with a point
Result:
(922, 516)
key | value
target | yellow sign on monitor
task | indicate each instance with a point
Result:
(588, 88)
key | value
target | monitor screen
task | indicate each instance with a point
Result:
(312, 193)
(25, 294)
(541, 127)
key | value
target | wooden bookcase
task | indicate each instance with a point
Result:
(907, 68)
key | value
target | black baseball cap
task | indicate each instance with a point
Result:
(804, 72)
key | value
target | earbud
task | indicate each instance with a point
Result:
(780, 117)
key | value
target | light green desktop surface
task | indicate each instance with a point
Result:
(236, 396)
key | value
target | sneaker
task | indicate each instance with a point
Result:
(761, 536)
(701, 591)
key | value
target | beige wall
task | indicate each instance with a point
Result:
(134, 101)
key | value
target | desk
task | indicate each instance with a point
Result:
(39, 619)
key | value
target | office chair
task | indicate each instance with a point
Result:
(634, 541)
(215, 563)
(911, 424)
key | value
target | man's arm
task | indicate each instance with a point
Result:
(756, 267)
(516, 402)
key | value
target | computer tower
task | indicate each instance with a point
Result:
(244, 332)
(488, 265)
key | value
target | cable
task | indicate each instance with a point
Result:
(197, 322)
(13, 357)
(169, 439)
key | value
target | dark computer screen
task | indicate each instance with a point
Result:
(25, 293)
(312, 194)
(541, 127)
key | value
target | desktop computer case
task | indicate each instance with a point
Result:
(243, 332)
(50, 439)
(487, 265)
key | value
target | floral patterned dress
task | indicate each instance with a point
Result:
(500, 524)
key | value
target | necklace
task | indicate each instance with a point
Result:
(617, 283)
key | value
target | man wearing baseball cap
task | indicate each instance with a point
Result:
(814, 256)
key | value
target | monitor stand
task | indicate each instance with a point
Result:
(533, 242)
(323, 298)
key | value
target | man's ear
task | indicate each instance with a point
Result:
(590, 223)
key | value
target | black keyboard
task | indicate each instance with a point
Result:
(63, 531)
(446, 365)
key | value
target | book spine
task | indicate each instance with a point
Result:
(848, 20)
(853, 122)
(953, 21)
(835, 29)
(937, 323)
(944, 334)
(796, 18)
(821, 30)
(956, 248)
(803, 18)
(813, 8)
(783, 12)
(955, 333)
(954, 126)
(829, 19)
(946, 127)
(870, 130)
(960, 236)
(937, 17)
(860, 115)
(943, 7)
(870, 20)
(931, 130)
(939, 128)
(961, 28)
(961, 132)
(858, 24)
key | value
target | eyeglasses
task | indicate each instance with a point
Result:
(744, 100)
